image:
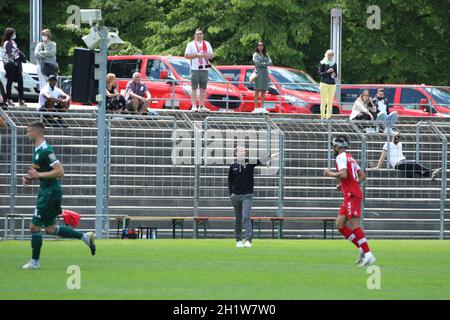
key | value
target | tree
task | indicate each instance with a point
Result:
(410, 47)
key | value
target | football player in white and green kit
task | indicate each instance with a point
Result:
(47, 168)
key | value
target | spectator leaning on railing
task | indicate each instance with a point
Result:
(45, 53)
(199, 52)
(261, 75)
(327, 74)
(398, 161)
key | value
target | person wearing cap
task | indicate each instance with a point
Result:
(350, 175)
(52, 98)
(398, 161)
(383, 113)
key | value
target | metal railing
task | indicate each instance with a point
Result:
(180, 90)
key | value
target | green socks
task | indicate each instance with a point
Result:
(36, 244)
(67, 232)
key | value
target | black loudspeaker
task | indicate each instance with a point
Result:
(84, 86)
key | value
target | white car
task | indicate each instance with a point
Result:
(30, 80)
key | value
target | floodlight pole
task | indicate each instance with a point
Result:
(35, 26)
(335, 45)
(101, 119)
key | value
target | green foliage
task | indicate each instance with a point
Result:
(410, 47)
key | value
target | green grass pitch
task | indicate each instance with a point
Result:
(215, 269)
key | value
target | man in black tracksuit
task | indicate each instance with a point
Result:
(240, 186)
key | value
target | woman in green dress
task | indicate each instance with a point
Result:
(261, 60)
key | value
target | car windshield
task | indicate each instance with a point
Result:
(182, 67)
(294, 80)
(440, 95)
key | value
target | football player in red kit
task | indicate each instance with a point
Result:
(350, 176)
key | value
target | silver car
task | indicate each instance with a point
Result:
(30, 80)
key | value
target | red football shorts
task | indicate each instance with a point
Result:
(351, 208)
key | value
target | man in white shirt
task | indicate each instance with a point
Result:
(52, 98)
(200, 53)
(399, 162)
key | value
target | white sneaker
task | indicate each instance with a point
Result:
(203, 109)
(390, 131)
(89, 240)
(239, 244)
(360, 256)
(248, 244)
(32, 264)
(260, 110)
(194, 108)
(369, 130)
(435, 173)
(368, 259)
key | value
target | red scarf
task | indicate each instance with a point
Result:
(204, 49)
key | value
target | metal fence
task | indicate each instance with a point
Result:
(176, 165)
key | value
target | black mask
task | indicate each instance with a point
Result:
(380, 98)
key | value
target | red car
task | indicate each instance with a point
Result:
(168, 80)
(294, 90)
(407, 100)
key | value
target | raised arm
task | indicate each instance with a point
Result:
(264, 160)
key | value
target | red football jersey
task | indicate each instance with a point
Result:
(350, 186)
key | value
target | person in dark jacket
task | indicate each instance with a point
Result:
(327, 74)
(383, 112)
(13, 66)
(240, 186)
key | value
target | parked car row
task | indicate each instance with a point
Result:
(290, 91)
(407, 100)
(229, 88)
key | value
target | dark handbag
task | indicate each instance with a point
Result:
(50, 68)
(22, 57)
